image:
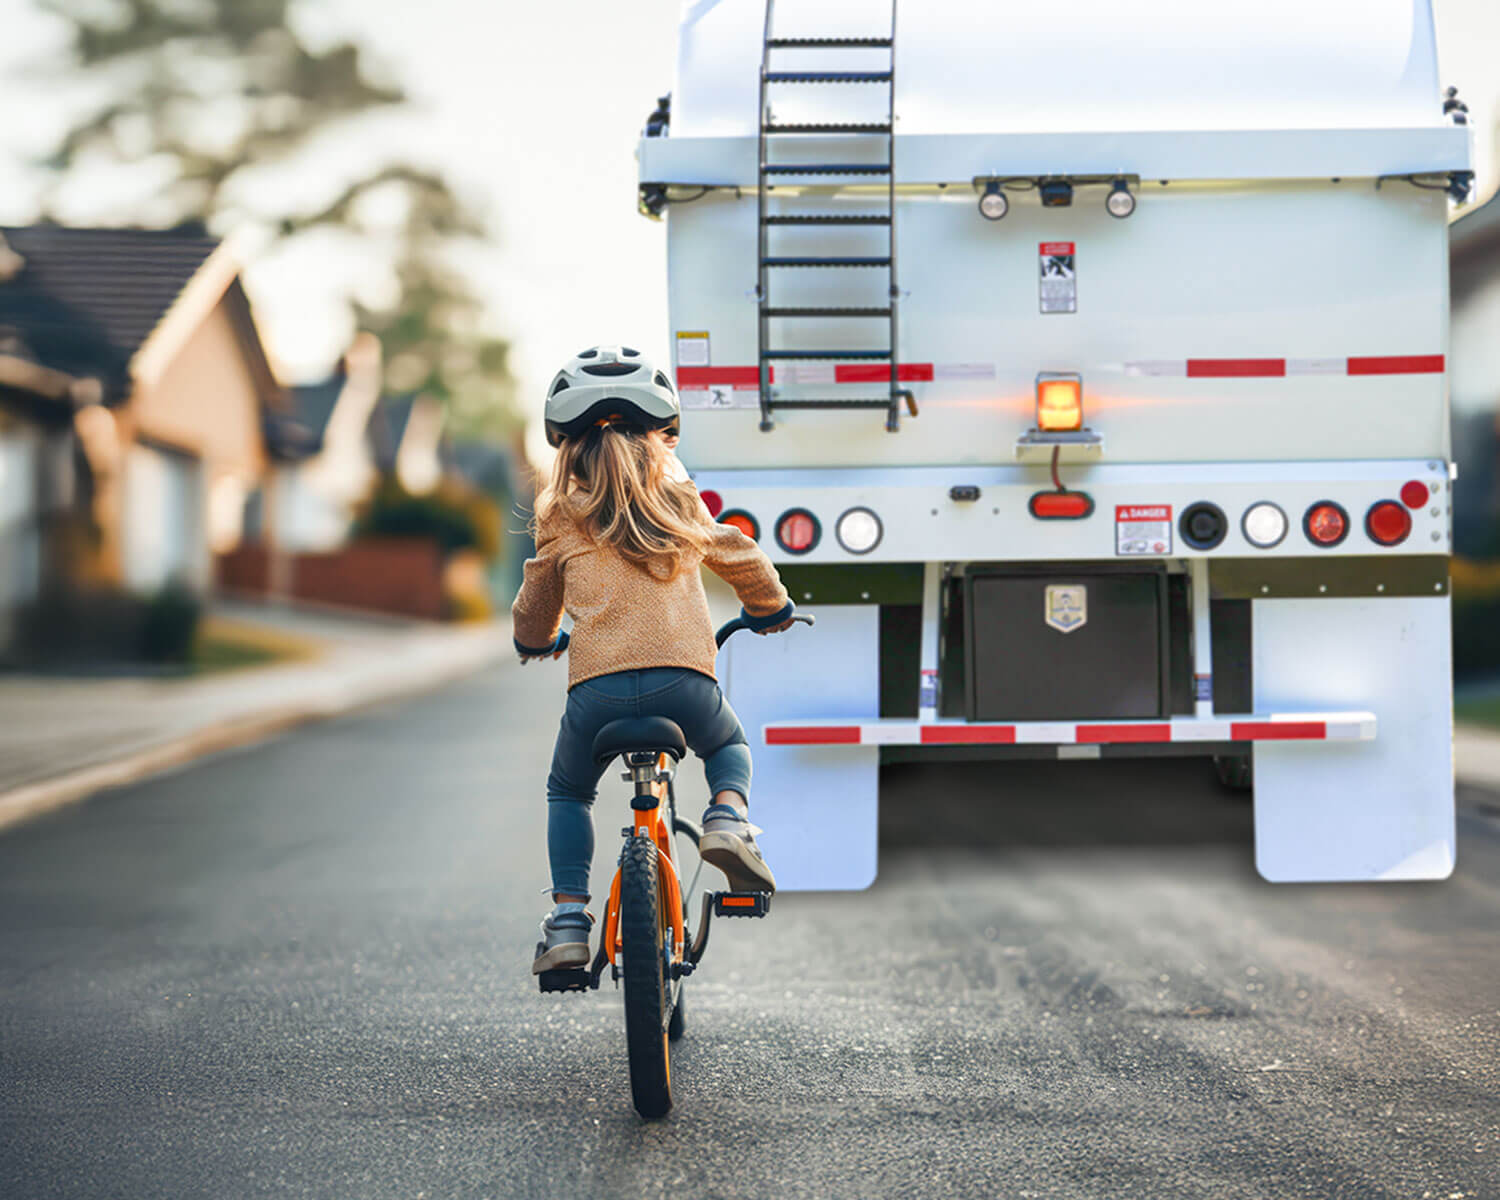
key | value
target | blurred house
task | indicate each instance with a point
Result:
(133, 385)
(324, 454)
(1474, 378)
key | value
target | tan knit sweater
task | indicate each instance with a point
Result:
(625, 618)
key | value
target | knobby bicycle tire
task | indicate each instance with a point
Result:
(647, 991)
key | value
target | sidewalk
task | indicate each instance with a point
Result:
(64, 738)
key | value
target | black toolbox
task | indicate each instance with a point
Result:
(1048, 645)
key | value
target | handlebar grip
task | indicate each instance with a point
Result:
(730, 628)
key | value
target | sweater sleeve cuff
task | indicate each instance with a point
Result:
(557, 647)
(756, 624)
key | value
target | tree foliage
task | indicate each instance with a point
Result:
(209, 90)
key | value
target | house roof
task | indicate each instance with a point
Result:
(298, 433)
(86, 300)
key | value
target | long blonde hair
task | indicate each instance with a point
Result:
(614, 483)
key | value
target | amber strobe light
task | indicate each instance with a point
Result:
(742, 521)
(1326, 523)
(1059, 403)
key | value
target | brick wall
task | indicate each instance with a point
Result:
(401, 576)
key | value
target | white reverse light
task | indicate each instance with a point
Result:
(993, 205)
(858, 531)
(1264, 525)
(1120, 202)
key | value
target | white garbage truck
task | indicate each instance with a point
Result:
(1081, 365)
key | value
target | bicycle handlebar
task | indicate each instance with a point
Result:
(730, 628)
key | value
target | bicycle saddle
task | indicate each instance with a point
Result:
(639, 733)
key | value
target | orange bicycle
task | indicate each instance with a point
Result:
(647, 942)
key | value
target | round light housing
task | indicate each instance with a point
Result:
(1264, 525)
(1203, 525)
(1414, 493)
(1326, 524)
(993, 205)
(1120, 202)
(743, 521)
(713, 502)
(858, 531)
(1388, 523)
(797, 531)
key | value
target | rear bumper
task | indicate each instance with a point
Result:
(889, 731)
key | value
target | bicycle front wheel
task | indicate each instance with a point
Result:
(647, 986)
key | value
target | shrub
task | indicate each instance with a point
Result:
(454, 515)
(171, 623)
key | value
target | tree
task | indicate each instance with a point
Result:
(211, 90)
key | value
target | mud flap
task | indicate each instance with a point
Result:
(1347, 811)
(818, 805)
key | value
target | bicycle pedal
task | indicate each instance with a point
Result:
(742, 904)
(567, 979)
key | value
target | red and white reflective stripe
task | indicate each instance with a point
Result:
(812, 372)
(1274, 727)
(1251, 368)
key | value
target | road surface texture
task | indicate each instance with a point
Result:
(302, 970)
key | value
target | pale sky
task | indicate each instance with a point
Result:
(534, 110)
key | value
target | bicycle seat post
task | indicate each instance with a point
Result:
(642, 764)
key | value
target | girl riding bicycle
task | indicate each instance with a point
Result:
(620, 534)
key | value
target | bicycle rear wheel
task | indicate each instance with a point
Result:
(647, 986)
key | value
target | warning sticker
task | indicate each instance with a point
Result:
(718, 396)
(692, 349)
(1143, 529)
(1059, 277)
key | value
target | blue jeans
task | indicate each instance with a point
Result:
(689, 698)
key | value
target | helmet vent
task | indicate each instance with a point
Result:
(588, 354)
(628, 351)
(612, 368)
(662, 381)
(559, 386)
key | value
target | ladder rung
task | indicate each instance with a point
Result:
(828, 76)
(804, 261)
(883, 402)
(787, 43)
(819, 219)
(825, 168)
(826, 312)
(832, 354)
(831, 127)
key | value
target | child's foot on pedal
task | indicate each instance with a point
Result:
(728, 843)
(565, 939)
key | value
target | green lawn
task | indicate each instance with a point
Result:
(224, 645)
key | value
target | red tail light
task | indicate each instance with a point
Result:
(1326, 524)
(797, 531)
(742, 521)
(1061, 506)
(1414, 493)
(1388, 523)
(713, 501)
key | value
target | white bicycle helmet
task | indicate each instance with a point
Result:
(605, 382)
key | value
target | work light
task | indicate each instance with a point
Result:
(1120, 202)
(992, 204)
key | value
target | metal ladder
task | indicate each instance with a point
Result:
(771, 131)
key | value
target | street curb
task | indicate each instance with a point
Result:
(31, 800)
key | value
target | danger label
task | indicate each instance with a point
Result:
(1143, 529)
(1058, 277)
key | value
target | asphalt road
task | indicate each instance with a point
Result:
(302, 969)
